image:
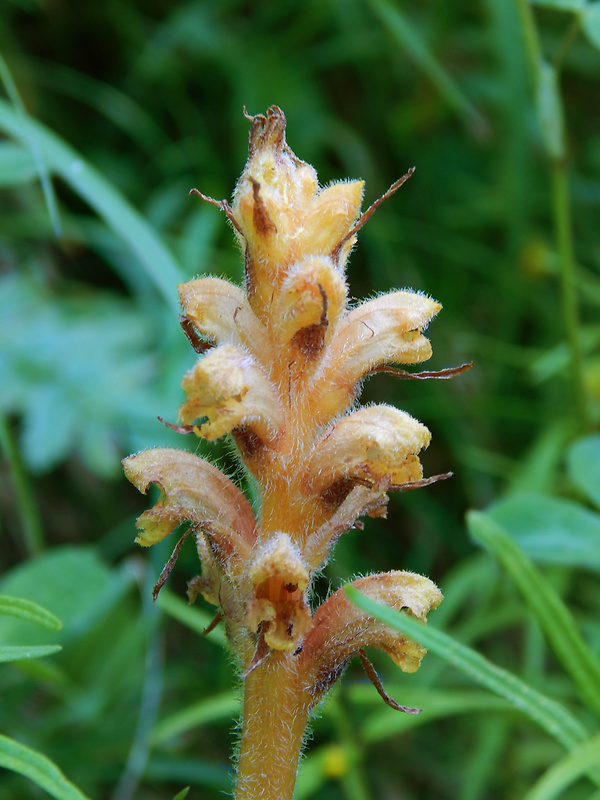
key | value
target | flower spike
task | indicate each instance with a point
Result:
(281, 363)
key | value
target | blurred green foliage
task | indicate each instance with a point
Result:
(109, 114)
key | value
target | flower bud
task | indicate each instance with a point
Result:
(368, 445)
(385, 330)
(281, 214)
(312, 297)
(230, 389)
(219, 310)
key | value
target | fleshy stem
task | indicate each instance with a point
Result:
(274, 721)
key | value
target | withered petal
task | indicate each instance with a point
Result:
(193, 490)
(220, 311)
(341, 629)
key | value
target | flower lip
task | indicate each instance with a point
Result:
(279, 578)
(341, 629)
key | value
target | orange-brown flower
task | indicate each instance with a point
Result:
(280, 365)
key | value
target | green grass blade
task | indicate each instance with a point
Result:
(560, 5)
(385, 722)
(550, 110)
(31, 523)
(412, 43)
(25, 652)
(29, 611)
(213, 709)
(17, 165)
(105, 99)
(548, 714)
(566, 771)
(549, 610)
(126, 222)
(30, 140)
(35, 766)
(195, 618)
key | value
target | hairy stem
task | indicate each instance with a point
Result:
(274, 720)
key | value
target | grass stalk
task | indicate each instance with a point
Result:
(549, 107)
(31, 522)
(570, 307)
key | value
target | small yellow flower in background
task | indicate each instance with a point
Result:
(280, 367)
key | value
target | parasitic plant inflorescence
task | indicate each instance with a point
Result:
(281, 365)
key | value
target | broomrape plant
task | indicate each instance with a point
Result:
(282, 361)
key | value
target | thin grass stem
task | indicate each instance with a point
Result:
(31, 523)
(570, 307)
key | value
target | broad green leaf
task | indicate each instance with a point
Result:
(49, 429)
(16, 165)
(551, 530)
(72, 582)
(35, 766)
(553, 616)
(583, 464)
(23, 653)
(590, 22)
(69, 401)
(566, 771)
(31, 612)
(91, 186)
(551, 716)
(182, 794)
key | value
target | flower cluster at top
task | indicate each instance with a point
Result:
(280, 368)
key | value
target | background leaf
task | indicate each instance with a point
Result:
(72, 582)
(16, 165)
(547, 607)
(551, 716)
(38, 768)
(551, 530)
(583, 463)
(566, 771)
(17, 653)
(21, 608)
